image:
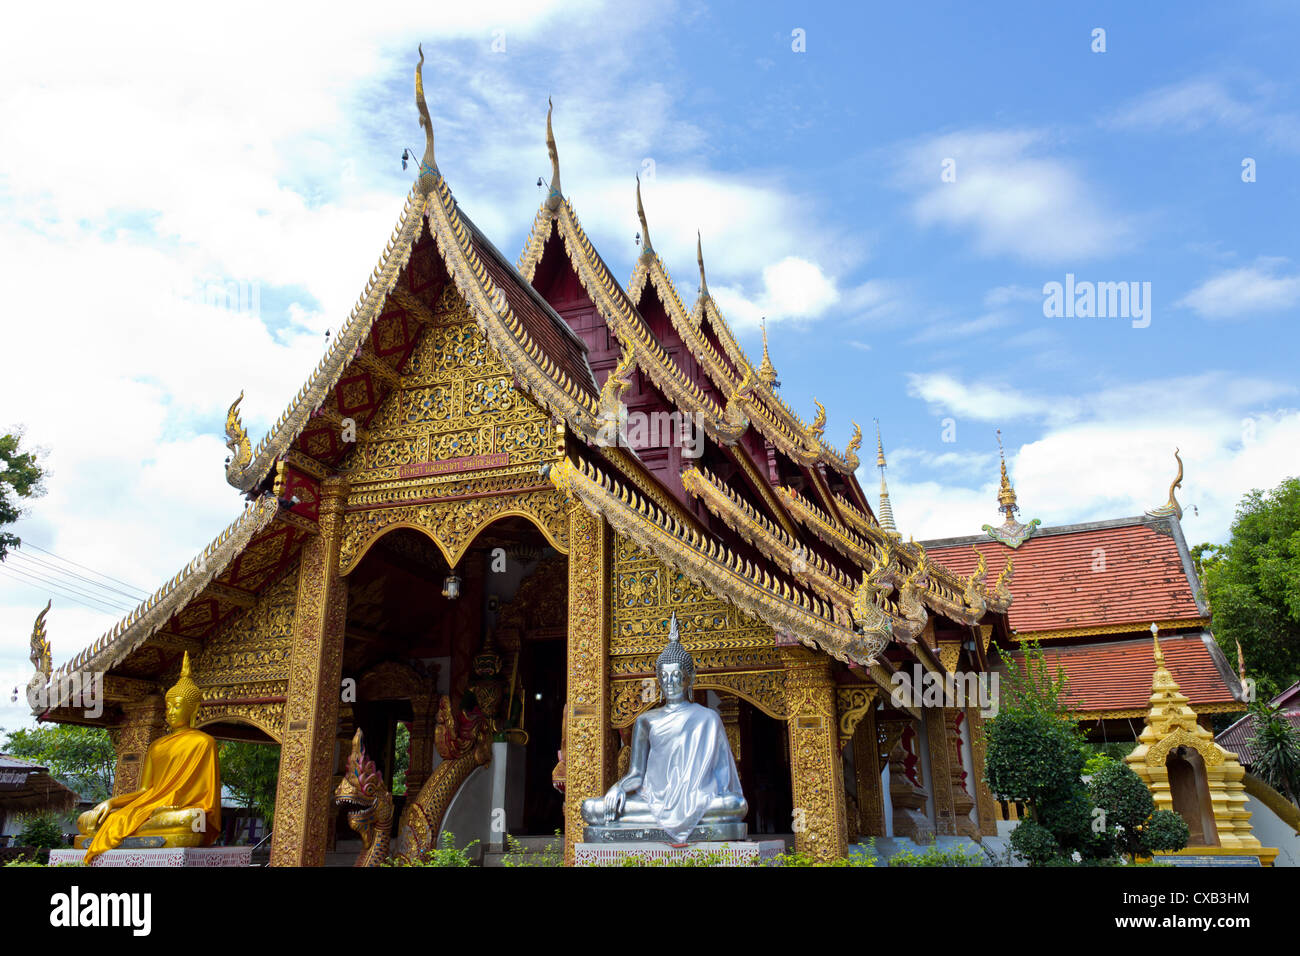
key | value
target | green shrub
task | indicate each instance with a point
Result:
(445, 854)
(44, 831)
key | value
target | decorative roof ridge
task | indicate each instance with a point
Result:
(780, 413)
(1047, 531)
(626, 322)
(781, 547)
(156, 610)
(541, 377)
(704, 560)
(247, 467)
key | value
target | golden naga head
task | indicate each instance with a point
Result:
(183, 699)
(40, 646)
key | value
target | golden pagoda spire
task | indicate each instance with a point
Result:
(699, 256)
(554, 197)
(1171, 507)
(646, 248)
(1171, 729)
(885, 513)
(1011, 532)
(765, 371)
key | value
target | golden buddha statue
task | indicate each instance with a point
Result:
(179, 800)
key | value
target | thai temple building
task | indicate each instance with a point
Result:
(482, 508)
(1118, 607)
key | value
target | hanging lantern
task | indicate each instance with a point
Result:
(451, 587)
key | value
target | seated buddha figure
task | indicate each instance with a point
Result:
(681, 777)
(179, 799)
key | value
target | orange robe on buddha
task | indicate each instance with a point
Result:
(182, 772)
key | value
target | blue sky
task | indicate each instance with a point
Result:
(149, 160)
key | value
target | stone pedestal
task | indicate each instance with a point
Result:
(704, 833)
(168, 856)
(745, 853)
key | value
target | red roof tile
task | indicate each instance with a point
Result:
(1117, 675)
(1130, 574)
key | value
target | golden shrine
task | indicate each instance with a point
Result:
(452, 526)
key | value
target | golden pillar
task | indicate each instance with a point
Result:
(867, 769)
(302, 807)
(816, 767)
(145, 722)
(586, 747)
(986, 808)
(938, 739)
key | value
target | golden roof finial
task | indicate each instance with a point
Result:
(427, 165)
(554, 197)
(765, 371)
(1155, 640)
(646, 248)
(1006, 494)
(885, 513)
(855, 442)
(818, 426)
(1011, 532)
(699, 256)
(40, 644)
(1171, 507)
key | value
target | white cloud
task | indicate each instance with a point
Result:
(1010, 198)
(1205, 102)
(1244, 292)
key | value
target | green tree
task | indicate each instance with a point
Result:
(1130, 812)
(81, 757)
(401, 758)
(1035, 754)
(42, 831)
(1277, 752)
(20, 477)
(251, 772)
(1253, 584)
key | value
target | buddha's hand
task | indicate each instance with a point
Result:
(614, 801)
(101, 813)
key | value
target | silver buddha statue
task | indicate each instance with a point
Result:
(681, 785)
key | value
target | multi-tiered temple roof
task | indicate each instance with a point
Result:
(769, 516)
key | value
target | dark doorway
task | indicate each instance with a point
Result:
(765, 771)
(543, 671)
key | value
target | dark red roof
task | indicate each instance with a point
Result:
(1099, 575)
(1117, 675)
(550, 332)
(1237, 737)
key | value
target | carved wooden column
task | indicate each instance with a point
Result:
(311, 712)
(816, 768)
(422, 727)
(963, 804)
(729, 710)
(586, 746)
(937, 732)
(986, 808)
(907, 794)
(146, 721)
(867, 769)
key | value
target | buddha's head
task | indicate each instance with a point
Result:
(675, 667)
(183, 699)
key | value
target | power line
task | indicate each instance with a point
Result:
(80, 577)
(28, 544)
(51, 567)
(63, 590)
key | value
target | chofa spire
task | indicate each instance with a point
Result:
(699, 257)
(1171, 507)
(646, 248)
(885, 513)
(1011, 532)
(554, 197)
(428, 167)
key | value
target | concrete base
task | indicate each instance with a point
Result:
(169, 856)
(704, 833)
(733, 854)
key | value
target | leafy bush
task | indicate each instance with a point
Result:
(1131, 817)
(43, 831)
(552, 855)
(933, 856)
(1165, 832)
(445, 854)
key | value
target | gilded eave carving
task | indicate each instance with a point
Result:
(154, 613)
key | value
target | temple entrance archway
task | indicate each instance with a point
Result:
(1190, 792)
